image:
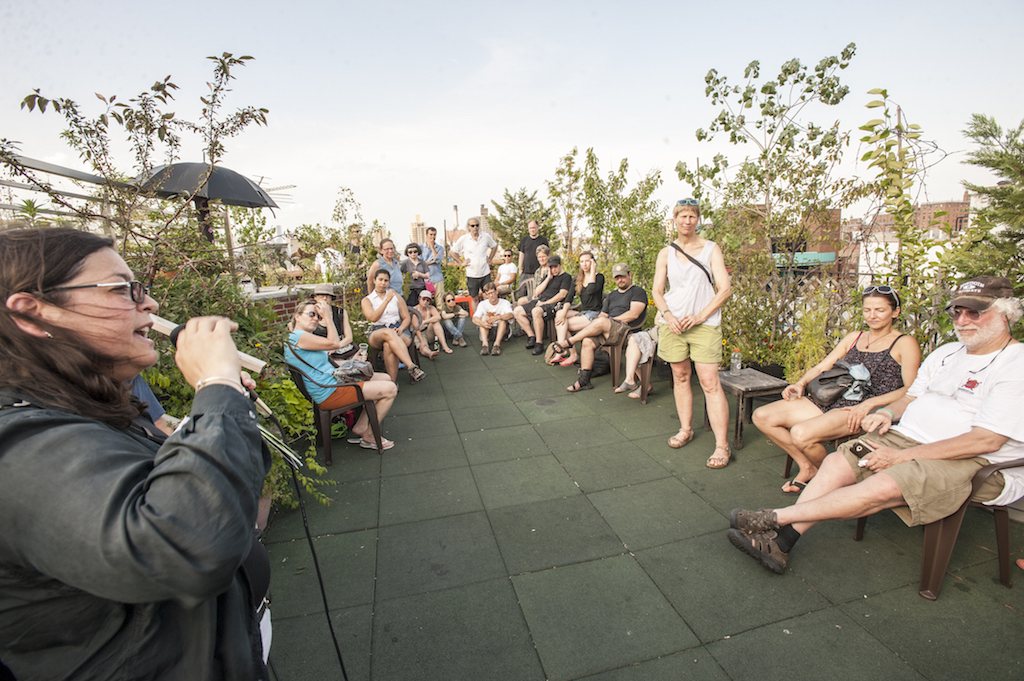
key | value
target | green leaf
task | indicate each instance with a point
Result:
(875, 104)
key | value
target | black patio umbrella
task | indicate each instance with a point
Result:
(216, 184)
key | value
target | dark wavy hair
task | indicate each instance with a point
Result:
(61, 371)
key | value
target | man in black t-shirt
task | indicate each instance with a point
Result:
(624, 311)
(528, 253)
(548, 297)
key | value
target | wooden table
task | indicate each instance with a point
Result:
(746, 386)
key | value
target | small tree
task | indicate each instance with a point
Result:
(763, 210)
(566, 190)
(509, 221)
(626, 223)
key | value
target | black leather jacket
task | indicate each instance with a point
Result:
(120, 557)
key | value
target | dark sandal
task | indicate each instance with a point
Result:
(557, 347)
(495, 351)
(625, 387)
(795, 483)
(577, 386)
(485, 351)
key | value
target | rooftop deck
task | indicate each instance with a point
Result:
(519, 532)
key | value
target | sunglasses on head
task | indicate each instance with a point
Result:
(687, 202)
(972, 315)
(885, 290)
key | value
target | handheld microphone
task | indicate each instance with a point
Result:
(168, 328)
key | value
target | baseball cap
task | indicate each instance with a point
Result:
(554, 260)
(426, 294)
(620, 269)
(980, 292)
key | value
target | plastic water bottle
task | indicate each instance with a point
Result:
(735, 362)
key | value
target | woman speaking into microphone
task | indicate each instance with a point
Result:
(123, 553)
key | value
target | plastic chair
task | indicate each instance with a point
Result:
(323, 417)
(940, 537)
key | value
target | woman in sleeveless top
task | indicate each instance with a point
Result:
(799, 424)
(307, 352)
(389, 327)
(590, 289)
(389, 264)
(698, 285)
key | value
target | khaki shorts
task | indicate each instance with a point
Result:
(702, 344)
(933, 489)
(616, 332)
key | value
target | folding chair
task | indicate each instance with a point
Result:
(323, 417)
(940, 537)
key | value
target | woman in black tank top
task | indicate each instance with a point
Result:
(799, 425)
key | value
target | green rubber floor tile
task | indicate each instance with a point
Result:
(476, 396)
(657, 512)
(635, 420)
(608, 466)
(399, 428)
(502, 444)
(531, 390)
(469, 633)
(552, 533)
(510, 373)
(843, 570)
(352, 463)
(604, 401)
(578, 433)
(695, 664)
(962, 635)
(454, 382)
(983, 578)
(462, 361)
(420, 403)
(558, 408)
(779, 652)
(433, 494)
(302, 647)
(353, 507)
(417, 454)
(347, 561)
(432, 555)
(720, 591)
(472, 419)
(738, 485)
(598, 616)
(509, 483)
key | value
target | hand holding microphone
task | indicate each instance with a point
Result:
(206, 352)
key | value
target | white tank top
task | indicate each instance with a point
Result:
(689, 289)
(391, 314)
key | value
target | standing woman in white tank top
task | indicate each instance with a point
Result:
(698, 285)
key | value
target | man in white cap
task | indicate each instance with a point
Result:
(624, 311)
(960, 414)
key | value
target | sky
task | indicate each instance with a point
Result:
(418, 107)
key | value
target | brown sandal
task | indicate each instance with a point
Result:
(719, 461)
(675, 442)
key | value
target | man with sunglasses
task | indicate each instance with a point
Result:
(474, 252)
(960, 414)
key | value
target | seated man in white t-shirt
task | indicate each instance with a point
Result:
(960, 414)
(507, 272)
(492, 315)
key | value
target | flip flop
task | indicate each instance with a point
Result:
(568, 362)
(795, 483)
(385, 444)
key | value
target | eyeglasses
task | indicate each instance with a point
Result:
(885, 290)
(687, 202)
(311, 313)
(972, 315)
(136, 289)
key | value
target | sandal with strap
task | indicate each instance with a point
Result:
(626, 387)
(675, 442)
(719, 461)
(558, 348)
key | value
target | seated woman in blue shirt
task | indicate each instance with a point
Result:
(307, 352)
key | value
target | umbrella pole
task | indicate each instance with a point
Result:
(230, 241)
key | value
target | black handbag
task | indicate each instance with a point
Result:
(829, 386)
